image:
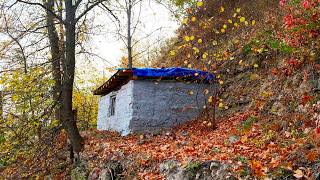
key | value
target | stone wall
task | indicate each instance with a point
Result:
(166, 103)
(123, 110)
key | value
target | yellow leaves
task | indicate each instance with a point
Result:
(189, 66)
(199, 41)
(236, 24)
(193, 19)
(246, 23)
(255, 65)
(253, 22)
(15, 97)
(214, 42)
(238, 10)
(204, 55)
(185, 21)
(185, 62)
(242, 19)
(223, 30)
(224, 26)
(187, 38)
(190, 92)
(196, 50)
(244, 139)
(199, 3)
(266, 94)
(210, 99)
(298, 173)
(221, 82)
(172, 53)
(221, 9)
(220, 105)
(230, 21)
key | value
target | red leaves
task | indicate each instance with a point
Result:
(305, 99)
(287, 71)
(297, 22)
(274, 71)
(195, 141)
(294, 63)
(289, 21)
(306, 4)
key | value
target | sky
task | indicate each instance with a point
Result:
(110, 48)
(107, 46)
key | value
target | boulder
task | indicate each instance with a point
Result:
(209, 170)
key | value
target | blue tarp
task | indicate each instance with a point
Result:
(173, 72)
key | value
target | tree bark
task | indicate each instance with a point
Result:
(64, 55)
(1, 105)
(56, 57)
(68, 78)
(129, 38)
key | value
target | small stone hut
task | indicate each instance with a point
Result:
(149, 99)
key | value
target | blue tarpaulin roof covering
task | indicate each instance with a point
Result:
(122, 76)
(173, 72)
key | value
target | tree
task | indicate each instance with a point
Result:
(63, 51)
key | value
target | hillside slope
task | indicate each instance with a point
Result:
(267, 60)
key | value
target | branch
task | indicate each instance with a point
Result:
(45, 8)
(110, 11)
(88, 9)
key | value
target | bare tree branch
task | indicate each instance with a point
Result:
(44, 7)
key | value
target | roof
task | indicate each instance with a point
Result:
(123, 76)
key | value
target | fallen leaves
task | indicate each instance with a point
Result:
(197, 140)
(257, 168)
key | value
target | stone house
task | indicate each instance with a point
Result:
(148, 99)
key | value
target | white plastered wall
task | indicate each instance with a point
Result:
(123, 110)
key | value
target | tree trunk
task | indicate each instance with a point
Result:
(129, 38)
(64, 55)
(1, 105)
(56, 58)
(68, 77)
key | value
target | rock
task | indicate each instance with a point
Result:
(95, 173)
(278, 108)
(185, 133)
(115, 167)
(316, 171)
(140, 142)
(79, 173)
(111, 170)
(105, 174)
(214, 165)
(234, 139)
(168, 166)
(304, 87)
(209, 170)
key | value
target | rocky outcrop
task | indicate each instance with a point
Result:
(209, 170)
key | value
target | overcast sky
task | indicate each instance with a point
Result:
(109, 47)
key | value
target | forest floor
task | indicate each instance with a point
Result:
(254, 145)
